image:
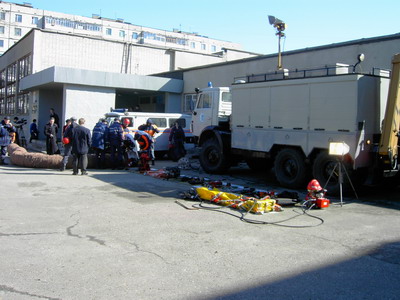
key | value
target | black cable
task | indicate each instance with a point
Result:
(257, 222)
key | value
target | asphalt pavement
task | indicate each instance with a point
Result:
(118, 234)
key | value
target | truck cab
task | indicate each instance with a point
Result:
(213, 107)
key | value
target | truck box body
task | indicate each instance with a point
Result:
(310, 113)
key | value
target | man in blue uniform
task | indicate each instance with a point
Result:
(115, 137)
(99, 138)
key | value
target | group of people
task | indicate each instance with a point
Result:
(119, 138)
(78, 140)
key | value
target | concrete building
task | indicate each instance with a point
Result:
(110, 70)
(16, 20)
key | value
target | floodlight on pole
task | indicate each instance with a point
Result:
(280, 27)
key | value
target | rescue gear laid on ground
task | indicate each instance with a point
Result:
(316, 195)
(250, 204)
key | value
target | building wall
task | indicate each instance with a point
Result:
(48, 99)
(378, 54)
(65, 50)
(90, 103)
(98, 26)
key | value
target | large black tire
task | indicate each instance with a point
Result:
(212, 158)
(290, 168)
(326, 167)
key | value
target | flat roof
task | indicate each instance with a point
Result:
(58, 76)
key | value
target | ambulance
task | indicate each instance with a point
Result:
(164, 122)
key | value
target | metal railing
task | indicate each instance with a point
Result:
(308, 73)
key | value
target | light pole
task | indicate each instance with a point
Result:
(280, 27)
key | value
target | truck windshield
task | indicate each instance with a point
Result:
(226, 97)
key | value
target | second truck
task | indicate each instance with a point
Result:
(287, 121)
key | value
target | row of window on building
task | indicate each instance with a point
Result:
(12, 100)
(18, 18)
(139, 36)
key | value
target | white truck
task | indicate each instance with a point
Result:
(289, 124)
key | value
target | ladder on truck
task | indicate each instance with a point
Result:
(389, 142)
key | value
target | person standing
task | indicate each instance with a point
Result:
(5, 130)
(99, 138)
(33, 129)
(67, 141)
(177, 142)
(81, 141)
(50, 131)
(115, 137)
(152, 130)
(55, 116)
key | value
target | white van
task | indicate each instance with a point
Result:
(164, 122)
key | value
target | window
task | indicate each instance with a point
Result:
(213, 48)
(135, 35)
(17, 32)
(226, 97)
(35, 20)
(122, 33)
(22, 104)
(1, 29)
(2, 15)
(189, 102)
(2, 106)
(204, 101)
(25, 66)
(108, 31)
(10, 105)
(160, 122)
(181, 122)
(192, 45)
(18, 18)
(1, 43)
(203, 47)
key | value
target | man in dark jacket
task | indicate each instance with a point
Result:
(81, 141)
(67, 133)
(115, 137)
(5, 130)
(177, 142)
(99, 138)
(50, 131)
(55, 116)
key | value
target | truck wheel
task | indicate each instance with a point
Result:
(323, 166)
(211, 157)
(290, 168)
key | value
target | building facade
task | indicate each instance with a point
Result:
(16, 20)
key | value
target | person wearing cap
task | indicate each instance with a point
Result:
(115, 137)
(6, 129)
(99, 138)
(152, 130)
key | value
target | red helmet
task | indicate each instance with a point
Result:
(314, 185)
(126, 122)
(65, 141)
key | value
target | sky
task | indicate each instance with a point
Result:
(310, 23)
